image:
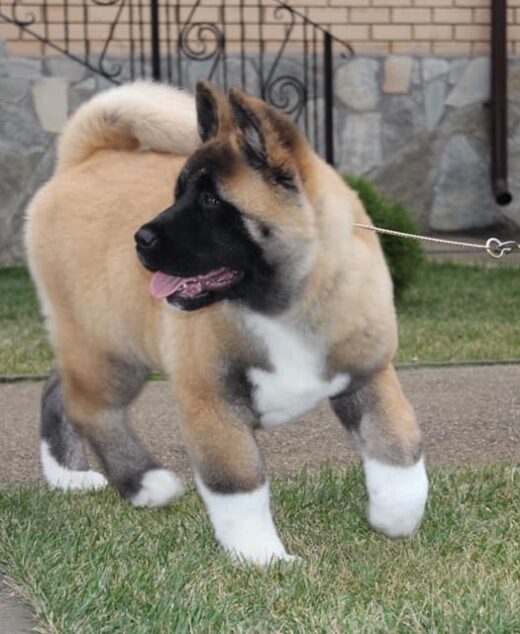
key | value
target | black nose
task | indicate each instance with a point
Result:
(146, 239)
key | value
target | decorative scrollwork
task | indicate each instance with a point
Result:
(30, 17)
(201, 41)
(280, 13)
(115, 69)
(288, 94)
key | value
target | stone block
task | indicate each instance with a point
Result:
(434, 96)
(397, 74)
(361, 150)
(356, 84)
(87, 85)
(403, 119)
(513, 81)
(409, 175)
(19, 127)
(13, 89)
(51, 103)
(472, 121)
(473, 85)
(4, 60)
(61, 66)
(25, 67)
(463, 198)
(512, 211)
(433, 67)
(457, 67)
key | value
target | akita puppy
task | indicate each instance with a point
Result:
(250, 289)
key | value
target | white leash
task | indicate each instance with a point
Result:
(494, 247)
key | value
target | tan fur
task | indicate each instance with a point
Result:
(128, 117)
(95, 295)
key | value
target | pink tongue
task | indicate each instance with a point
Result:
(162, 285)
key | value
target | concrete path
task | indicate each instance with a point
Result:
(15, 616)
(468, 415)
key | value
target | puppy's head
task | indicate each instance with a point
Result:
(241, 227)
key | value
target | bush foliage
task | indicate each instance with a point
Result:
(404, 256)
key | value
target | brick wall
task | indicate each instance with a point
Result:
(442, 27)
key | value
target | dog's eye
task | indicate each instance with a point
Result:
(209, 201)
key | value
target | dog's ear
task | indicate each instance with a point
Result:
(213, 112)
(268, 137)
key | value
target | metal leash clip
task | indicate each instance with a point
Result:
(496, 248)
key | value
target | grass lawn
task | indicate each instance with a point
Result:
(89, 563)
(451, 313)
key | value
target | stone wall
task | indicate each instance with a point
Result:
(416, 126)
(419, 129)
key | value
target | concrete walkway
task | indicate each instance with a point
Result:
(468, 415)
(15, 616)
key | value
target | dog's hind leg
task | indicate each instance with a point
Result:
(62, 452)
(384, 425)
(97, 390)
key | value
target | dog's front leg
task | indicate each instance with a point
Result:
(384, 425)
(230, 478)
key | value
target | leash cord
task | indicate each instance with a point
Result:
(493, 246)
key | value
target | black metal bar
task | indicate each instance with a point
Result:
(155, 38)
(315, 89)
(242, 42)
(306, 75)
(142, 56)
(169, 72)
(328, 94)
(132, 39)
(86, 40)
(223, 21)
(66, 24)
(499, 102)
(180, 82)
(261, 49)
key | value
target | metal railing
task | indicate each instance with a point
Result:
(266, 47)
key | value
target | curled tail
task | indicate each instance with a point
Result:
(140, 114)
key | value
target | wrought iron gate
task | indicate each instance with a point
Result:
(266, 47)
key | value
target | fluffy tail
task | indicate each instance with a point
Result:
(140, 114)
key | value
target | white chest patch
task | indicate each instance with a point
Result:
(296, 382)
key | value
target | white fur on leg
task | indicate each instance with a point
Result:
(158, 488)
(59, 477)
(243, 524)
(397, 496)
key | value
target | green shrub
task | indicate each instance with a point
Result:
(403, 255)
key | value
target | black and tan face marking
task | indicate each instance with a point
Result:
(211, 244)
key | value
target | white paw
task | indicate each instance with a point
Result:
(397, 497)
(59, 477)
(260, 552)
(158, 488)
(243, 525)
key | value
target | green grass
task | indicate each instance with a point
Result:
(452, 312)
(89, 563)
(23, 345)
(458, 312)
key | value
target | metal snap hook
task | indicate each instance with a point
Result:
(497, 249)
